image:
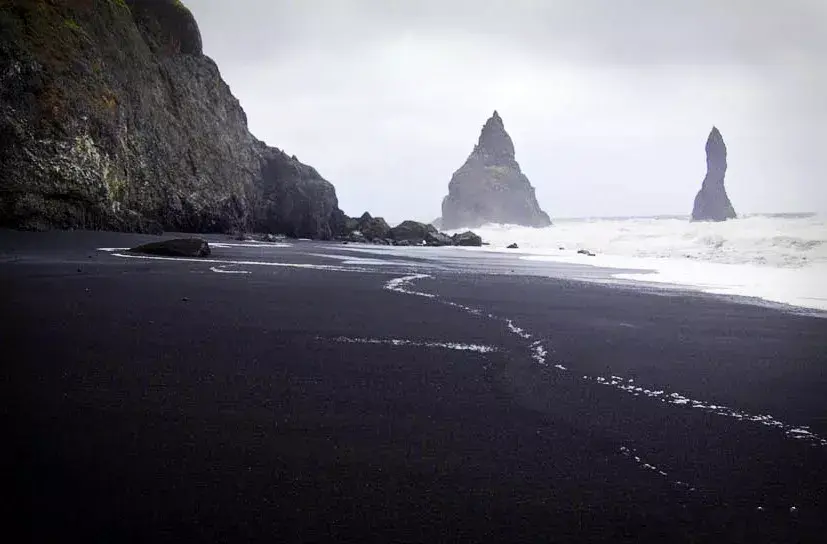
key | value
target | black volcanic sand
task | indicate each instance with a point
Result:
(153, 400)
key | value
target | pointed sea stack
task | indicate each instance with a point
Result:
(490, 188)
(712, 202)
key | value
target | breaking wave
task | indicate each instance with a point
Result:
(786, 241)
(777, 258)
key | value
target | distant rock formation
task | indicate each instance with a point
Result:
(490, 187)
(111, 117)
(712, 202)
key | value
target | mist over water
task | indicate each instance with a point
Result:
(777, 257)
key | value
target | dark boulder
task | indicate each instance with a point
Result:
(513, 246)
(467, 238)
(412, 231)
(438, 239)
(373, 228)
(490, 187)
(712, 202)
(416, 233)
(179, 247)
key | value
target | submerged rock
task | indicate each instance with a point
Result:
(179, 247)
(712, 202)
(467, 238)
(111, 117)
(490, 187)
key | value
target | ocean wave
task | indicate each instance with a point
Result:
(783, 241)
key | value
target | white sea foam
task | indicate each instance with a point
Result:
(200, 260)
(403, 284)
(457, 346)
(220, 270)
(777, 258)
(350, 259)
(519, 331)
(257, 245)
(539, 354)
(629, 386)
(631, 453)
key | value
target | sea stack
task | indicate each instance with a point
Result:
(490, 187)
(712, 202)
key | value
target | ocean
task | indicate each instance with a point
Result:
(780, 258)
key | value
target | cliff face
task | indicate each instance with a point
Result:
(490, 187)
(712, 202)
(111, 117)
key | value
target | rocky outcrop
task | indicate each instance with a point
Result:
(712, 202)
(179, 247)
(412, 231)
(490, 187)
(111, 117)
(373, 228)
(467, 238)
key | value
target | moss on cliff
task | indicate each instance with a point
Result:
(168, 25)
(111, 117)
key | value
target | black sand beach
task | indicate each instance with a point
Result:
(155, 400)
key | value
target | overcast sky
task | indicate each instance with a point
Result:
(609, 102)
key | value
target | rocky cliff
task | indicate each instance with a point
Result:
(490, 187)
(111, 117)
(712, 202)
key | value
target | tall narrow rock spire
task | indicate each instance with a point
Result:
(712, 202)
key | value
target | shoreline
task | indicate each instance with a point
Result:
(776, 258)
(622, 272)
(157, 399)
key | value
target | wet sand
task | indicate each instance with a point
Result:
(154, 400)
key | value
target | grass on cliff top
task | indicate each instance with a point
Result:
(63, 37)
(180, 5)
(51, 31)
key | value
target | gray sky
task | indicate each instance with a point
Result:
(609, 102)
